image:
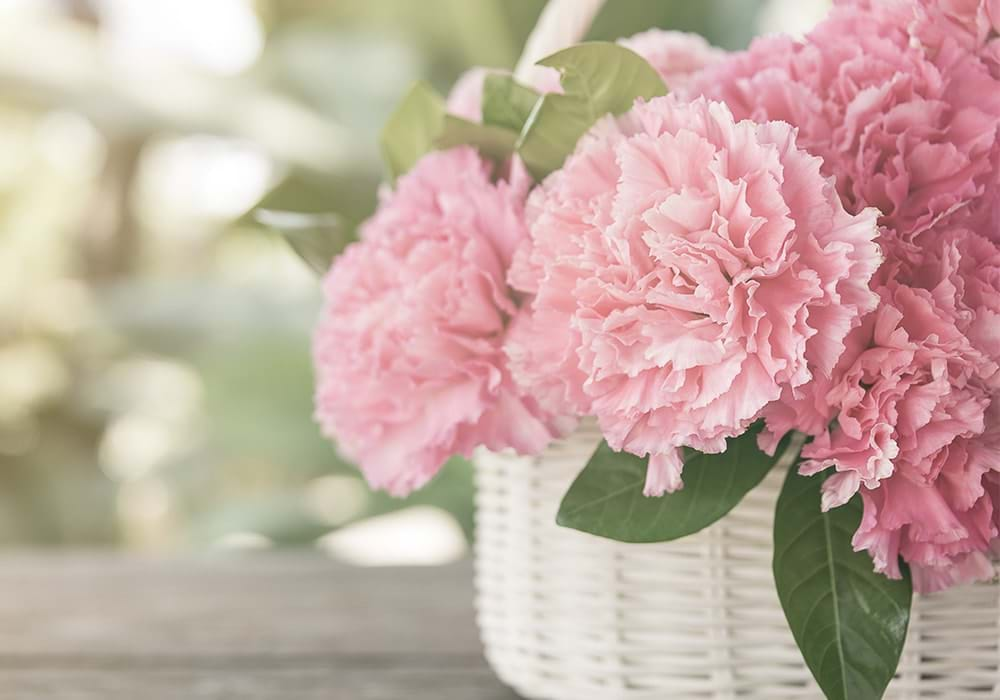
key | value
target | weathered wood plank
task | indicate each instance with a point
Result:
(249, 684)
(266, 604)
(282, 626)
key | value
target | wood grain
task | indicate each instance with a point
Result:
(282, 626)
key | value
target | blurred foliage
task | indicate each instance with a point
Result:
(155, 382)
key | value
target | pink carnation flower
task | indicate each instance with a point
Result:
(677, 56)
(917, 413)
(910, 132)
(686, 269)
(408, 350)
(973, 25)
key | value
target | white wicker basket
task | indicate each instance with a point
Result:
(568, 616)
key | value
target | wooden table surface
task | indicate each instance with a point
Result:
(281, 626)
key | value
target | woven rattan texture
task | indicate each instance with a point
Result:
(568, 616)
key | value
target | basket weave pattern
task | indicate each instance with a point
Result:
(569, 616)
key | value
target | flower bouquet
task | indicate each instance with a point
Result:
(655, 285)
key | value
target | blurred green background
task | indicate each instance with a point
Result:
(155, 384)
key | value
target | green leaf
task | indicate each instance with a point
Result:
(316, 238)
(317, 215)
(849, 621)
(420, 125)
(491, 141)
(607, 500)
(598, 78)
(507, 103)
(412, 129)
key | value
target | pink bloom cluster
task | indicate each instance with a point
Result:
(913, 135)
(901, 99)
(409, 348)
(677, 56)
(408, 351)
(807, 233)
(917, 431)
(686, 269)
